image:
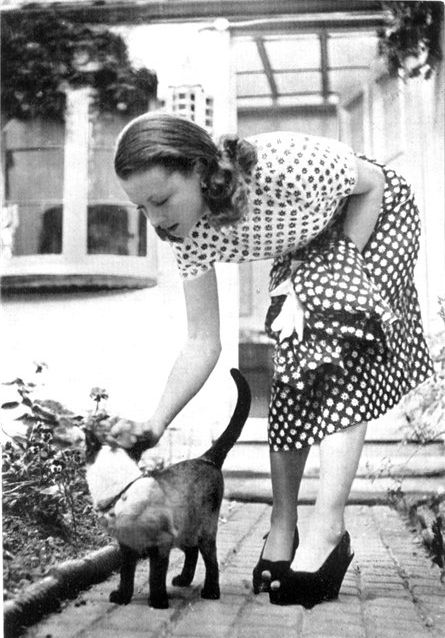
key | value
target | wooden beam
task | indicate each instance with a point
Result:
(291, 25)
(301, 109)
(267, 67)
(149, 11)
(324, 63)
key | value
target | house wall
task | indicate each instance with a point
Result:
(402, 125)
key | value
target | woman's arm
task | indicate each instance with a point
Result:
(364, 203)
(191, 369)
(199, 354)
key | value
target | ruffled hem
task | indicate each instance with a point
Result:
(341, 305)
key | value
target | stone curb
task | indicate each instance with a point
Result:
(62, 582)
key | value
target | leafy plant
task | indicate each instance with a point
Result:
(44, 470)
(43, 54)
(411, 40)
(424, 407)
(424, 410)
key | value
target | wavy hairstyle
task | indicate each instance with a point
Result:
(177, 144)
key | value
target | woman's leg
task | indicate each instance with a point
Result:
(286, 470)
(339, 458)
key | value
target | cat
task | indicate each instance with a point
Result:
(177, 506)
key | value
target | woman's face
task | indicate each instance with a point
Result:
(171, 201)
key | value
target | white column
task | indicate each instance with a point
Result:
(224, 122)
(208, 413)
(75, 174)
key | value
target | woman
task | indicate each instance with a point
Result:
(343, 232)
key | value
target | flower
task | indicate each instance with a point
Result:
(98, 394)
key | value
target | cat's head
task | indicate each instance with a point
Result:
(109, 468)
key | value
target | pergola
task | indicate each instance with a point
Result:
(276, 41)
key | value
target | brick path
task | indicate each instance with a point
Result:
(391, 590)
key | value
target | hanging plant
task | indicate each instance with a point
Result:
(411, 41)
(43, 55)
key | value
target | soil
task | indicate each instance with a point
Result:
(31, 548)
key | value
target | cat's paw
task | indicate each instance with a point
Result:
(158, 602)
(211, 593)
(181, 581)
(120, 597)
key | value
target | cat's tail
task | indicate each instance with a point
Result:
(218, 452)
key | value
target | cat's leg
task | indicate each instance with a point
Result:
(184, 579)
(158, 573)
(207, 547)
(124, 593)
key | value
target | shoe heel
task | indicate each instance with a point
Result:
(333, 586)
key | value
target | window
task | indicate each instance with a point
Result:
(114, 227)
(34, 154)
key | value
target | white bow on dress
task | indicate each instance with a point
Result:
(291, 317)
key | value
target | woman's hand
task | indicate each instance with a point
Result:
(127, 433)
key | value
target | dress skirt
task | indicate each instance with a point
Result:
(349, 340)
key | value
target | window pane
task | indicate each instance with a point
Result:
(298, 82)
(103, 184)
(116, 229)
(34, 174)
(38, 229)
(255, 84)
(294, 53)
(351, 49)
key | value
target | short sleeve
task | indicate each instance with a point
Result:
(328, 172)
(196, 255)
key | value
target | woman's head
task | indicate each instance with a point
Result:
(159, 139)
(176, 151)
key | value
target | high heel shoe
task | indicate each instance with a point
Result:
(276, 568)
(310, 588)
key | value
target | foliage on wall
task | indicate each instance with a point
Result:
(411, 41)
(44, 54)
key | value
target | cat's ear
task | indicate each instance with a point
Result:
(92, 445)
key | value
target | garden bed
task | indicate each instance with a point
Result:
(48, 517)
(30, 549)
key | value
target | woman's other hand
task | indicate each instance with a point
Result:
(127, 433)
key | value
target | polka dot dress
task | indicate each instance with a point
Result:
(363, 346)
(299, 183)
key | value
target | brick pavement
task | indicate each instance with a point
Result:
(391, 590)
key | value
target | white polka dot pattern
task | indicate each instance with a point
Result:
(363, 346)
(299, 183)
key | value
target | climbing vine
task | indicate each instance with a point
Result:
(43, 55)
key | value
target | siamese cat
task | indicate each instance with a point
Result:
(177, 506)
